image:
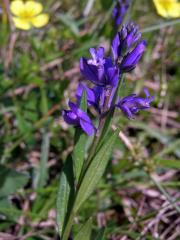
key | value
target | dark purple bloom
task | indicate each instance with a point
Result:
(99, 70)
(120, 10)
(124, 40)
(75, 116)
(132, 58)
(131, 104)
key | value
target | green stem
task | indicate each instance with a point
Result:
(160, 26)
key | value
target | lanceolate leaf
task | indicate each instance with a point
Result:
(80, 143)
(95, 171)
(85, 231)
(11, 180)
(79, 151)
(65, 195)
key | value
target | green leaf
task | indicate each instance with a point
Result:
(8, 210)
(101, 234)
(95, 171)
(154, 133)
(65, 195)
(83, 103)
(42, 173)
(80, 143)
(70, 22)
(22, 124)
(85, 231)
(172, 146)
(169, 163)
(11, 180)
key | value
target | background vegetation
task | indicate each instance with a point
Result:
(138, 198)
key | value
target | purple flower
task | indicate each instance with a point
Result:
(120, 10)
(93, 94)
(132, 58)
(131, 104)
(75, 116)
(97, 56)
(96, 96)
(124, 40)
(99, 70)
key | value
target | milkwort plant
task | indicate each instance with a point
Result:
(81, 174)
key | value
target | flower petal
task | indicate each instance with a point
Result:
(174, 11)
(89, 71)
(21, 23)
(113, 75)
(70, 117)
(91, 97)
(17, 7)
(167, 8)
(40, 20)
(161, 10)
(33, 8)
(115, 47)
(73, 107)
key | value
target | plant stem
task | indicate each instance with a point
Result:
(102, 130)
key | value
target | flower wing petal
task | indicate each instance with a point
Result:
(87, 127)
(40, 20)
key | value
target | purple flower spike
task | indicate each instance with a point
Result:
(120, 10)
(75, 116)
(131, 104)
(124, 40)
(132, 58)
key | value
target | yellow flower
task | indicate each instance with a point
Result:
(28, 14)
(167, 8)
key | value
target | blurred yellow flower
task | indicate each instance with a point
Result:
(28, 14)
(167, 8)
